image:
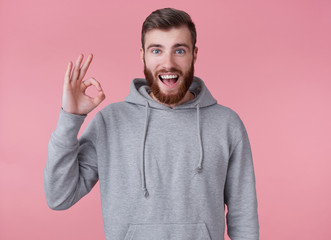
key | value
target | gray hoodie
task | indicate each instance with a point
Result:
(164, 173)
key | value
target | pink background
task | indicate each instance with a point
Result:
(270, 61)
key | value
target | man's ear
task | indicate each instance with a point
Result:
(142, 54)
(195, 54)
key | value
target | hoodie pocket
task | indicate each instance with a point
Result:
(168, 231)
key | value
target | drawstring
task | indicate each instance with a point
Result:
(143, 177)
(199, 168)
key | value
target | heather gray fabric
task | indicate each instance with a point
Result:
(164, 173)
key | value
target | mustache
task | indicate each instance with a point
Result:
(170, 70)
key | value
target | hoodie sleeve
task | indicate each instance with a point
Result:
(71, 167)
(240, 193)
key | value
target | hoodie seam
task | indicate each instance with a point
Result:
(236, 145)
(95, 142)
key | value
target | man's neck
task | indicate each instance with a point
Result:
(188, 97)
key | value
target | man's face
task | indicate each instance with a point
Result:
(169, 63)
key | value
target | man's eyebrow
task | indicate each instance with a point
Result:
(174, 46)
(181, 45)
(154, 45)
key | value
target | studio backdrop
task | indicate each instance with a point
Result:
(269, 61)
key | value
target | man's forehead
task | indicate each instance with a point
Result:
(168, 37)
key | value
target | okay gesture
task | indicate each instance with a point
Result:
(74, 99)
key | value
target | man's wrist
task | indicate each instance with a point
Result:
(83, 115)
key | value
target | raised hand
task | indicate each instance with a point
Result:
(74, 99)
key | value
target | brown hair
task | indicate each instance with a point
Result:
(167, 18)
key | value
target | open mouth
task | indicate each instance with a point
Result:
(169, 80)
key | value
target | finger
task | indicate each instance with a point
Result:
(67, 75)
(99, 98)
(75, 73)
(85, 67)
(89, 82)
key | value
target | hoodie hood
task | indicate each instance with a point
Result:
(139, 94)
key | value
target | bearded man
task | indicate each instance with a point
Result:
(168, 158)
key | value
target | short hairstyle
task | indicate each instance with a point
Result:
(167, 18)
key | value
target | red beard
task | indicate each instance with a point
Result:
(169, 98)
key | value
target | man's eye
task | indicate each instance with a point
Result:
(156, 51)
(180, 51)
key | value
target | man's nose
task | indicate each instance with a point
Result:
(168, 61)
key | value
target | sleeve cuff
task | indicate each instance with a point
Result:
(68, 126)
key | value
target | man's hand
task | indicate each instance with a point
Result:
(74, 99)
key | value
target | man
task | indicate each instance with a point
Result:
(167, 158)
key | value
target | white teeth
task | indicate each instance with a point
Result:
(168, 76)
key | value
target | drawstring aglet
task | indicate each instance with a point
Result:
(198, 169)
(146, 194)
